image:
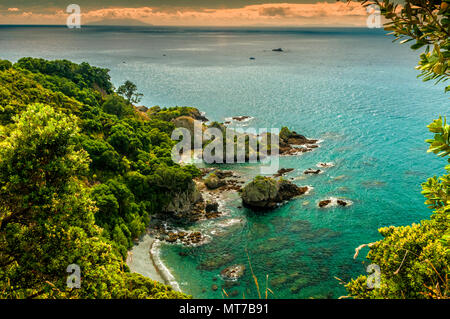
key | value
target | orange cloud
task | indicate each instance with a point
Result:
(279, 14)
(265, 14)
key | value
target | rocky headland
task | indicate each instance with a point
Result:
(265, 193)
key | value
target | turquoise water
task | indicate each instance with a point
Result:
(352, 88)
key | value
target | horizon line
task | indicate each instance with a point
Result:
(188, 26)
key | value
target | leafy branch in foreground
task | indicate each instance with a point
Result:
(415, 260)
(427, 22)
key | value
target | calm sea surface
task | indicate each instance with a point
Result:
(352, 88)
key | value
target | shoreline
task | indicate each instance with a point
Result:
(164, 272)
(144, 259)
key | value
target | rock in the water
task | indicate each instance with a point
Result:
(215, 262)
(206, 170)
(241, 118)
(334, 202)
(260, 193)
(267, 193)
(233, 272)
(312, 171)
(290, 140)
(213, 182)
(341, 202)
(223, 174)
(288, 190)
(324, 203)
(211, 206)
(283, 171)
(325, 165)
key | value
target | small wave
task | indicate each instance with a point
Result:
(310, 189)
(325, 164)
(161, 267)
(334, 202)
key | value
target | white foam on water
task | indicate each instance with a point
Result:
(164, 271)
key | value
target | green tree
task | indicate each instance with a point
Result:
(129, 90)
(425, 22)
(5, 65)
(415, 260)
(47, 217)
(116, 105)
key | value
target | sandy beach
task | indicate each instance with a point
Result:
(144, 259)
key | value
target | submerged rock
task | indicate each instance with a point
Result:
(233, 272)
(267, 193)
(299, 284)
(325, 165)
(216, 262)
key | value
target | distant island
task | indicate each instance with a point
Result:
(119, 22)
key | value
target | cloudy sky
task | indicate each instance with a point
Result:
(189, 12)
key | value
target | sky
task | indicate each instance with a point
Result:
(189, 12)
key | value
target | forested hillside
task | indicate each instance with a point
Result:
(81, 172)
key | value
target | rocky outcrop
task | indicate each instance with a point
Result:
(185, 122)
(241, 118)
(291, 140)
(211, 206)
(288, 190)
(333, 202)
(197, 115)
(283, 171)
(142, 108)
(181, 237)
(183, 204)
(325, 165)
(312, 171)
(267, 193)
(193, 123)
(324, 203)
(223, 174)
(214, 182)
(233, 272)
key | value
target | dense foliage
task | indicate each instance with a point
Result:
(81, 172)
(415, 260)
(427, 23)
(129, 90)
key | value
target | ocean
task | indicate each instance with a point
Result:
(350, 87)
